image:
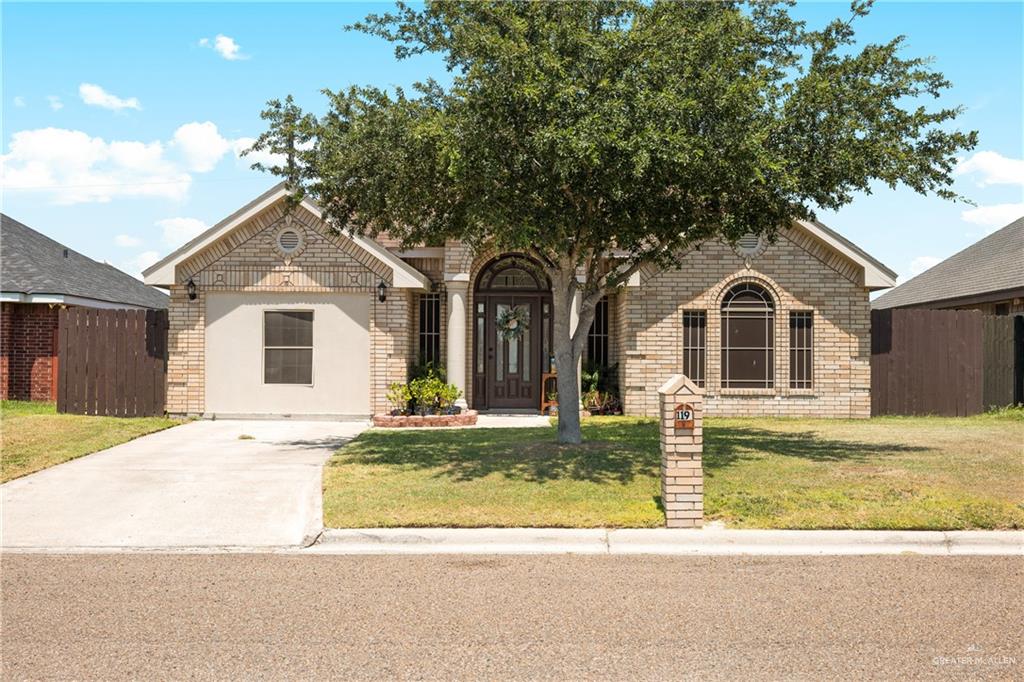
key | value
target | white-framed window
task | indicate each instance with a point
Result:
(288, 347)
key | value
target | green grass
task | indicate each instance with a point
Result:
(912, 473)
(33, 436)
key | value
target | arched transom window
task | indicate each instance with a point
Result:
(748, 337)
(513, 273)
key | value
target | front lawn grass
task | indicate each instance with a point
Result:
(885, 473)
(33, 436)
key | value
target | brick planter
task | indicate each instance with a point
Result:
(387, 421)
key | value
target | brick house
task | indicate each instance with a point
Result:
(38, 276)
(272, 313)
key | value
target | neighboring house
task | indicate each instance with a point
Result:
(986, 276)
(38, 276)
(271, 313)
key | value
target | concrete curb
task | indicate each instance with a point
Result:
(663, 541)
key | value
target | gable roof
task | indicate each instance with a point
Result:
(876, 274)
(161, 273)
(35, 266)
(994, 264)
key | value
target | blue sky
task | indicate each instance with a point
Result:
(121, 122)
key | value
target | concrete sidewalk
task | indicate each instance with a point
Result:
(663, 541)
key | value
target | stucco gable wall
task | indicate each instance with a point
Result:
(651, 329)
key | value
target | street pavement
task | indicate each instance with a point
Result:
(294, 616)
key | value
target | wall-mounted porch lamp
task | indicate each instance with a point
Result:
(191, 288)
(382, 291)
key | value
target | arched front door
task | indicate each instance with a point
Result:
(511, 334)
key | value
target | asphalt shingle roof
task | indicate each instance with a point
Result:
(996, 263)
(32, 263)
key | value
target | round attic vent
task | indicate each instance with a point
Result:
(288, 241)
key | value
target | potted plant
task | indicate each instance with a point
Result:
(553, 398)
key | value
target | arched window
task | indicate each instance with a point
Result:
(748, 337)
(512, 273)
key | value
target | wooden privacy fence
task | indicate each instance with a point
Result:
(112, 362)
(943, 362)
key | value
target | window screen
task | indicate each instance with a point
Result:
(597, 338)
(288, 347)
(801, 349)
(430, 328)
(748, 333)
(695, 325)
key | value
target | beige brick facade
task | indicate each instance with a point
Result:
(801, 276)
(645, 319)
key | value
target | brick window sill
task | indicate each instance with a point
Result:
(763, 392)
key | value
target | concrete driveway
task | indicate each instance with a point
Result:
(195, 485)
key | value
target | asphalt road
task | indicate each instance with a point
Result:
(556, 617)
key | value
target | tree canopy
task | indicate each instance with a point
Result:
(600, 136)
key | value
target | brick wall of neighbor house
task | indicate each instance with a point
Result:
(248, 260)
(801, 275)
(27, 351)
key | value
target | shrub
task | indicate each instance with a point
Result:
(398, 396)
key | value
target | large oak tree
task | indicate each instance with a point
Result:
(601, 136)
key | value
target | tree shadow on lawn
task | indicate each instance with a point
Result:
(618, 451)
(726, 446)
(610, 453)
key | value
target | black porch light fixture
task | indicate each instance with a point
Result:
(191, 288)
(382, 291)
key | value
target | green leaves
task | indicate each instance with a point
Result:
(572, 129)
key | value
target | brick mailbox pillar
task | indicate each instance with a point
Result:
(681, 405)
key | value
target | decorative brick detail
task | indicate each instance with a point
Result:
(682, 447)
(248, 259)
(27, 351)
(387, 421)
(801, 275)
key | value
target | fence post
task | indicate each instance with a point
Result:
(681, 405)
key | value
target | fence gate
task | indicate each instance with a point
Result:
(112, 362)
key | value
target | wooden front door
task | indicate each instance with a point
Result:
(507, 371)
(513, 365)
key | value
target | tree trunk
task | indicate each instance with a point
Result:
(566, 360)
(567, 346)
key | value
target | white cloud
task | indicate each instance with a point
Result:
(225, 46)
(135, 266)
(201, 145)
(19, 101)
(74, 167)
(994, 169)
(266, 158)
(177, 231)
(994, 216)
(127, 241)
(95, 96)
(922, 263)
(55, 102)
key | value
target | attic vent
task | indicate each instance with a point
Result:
(288, 241)
(750, 245)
